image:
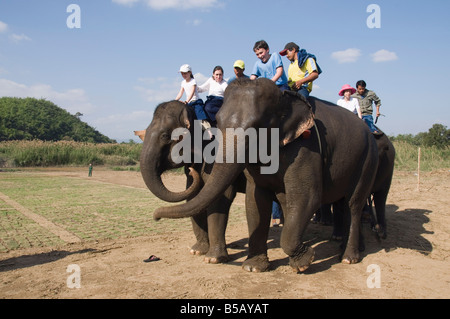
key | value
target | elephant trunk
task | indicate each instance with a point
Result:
(222, 176)
(151, 172)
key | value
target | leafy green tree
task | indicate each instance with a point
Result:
(438, 135)
(29, 118)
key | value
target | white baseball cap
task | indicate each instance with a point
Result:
(185, 68)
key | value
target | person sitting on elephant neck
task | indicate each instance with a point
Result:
(189, 86)
(239, 68)
(269, 66)
(303, 69)
(366, 99)
(216, 86)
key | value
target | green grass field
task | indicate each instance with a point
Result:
(89, 209)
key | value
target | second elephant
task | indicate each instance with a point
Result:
(156, 157)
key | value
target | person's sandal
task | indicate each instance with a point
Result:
(151, 258)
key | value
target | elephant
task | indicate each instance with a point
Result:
(336, 159)
(382, 183)
(209, 226)
(378, 195)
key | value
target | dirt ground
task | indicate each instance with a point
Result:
(413, 262)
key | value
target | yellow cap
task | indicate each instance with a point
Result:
(239, 64)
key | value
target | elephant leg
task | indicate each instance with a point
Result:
(326, 217)
(338, 220)
(297, 219)
(258, 204)
(379, 199)
(200, 228)
(353, 242)
(217, 223)
(199, 223)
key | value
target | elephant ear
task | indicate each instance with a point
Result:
(186, 117)
(296, 116)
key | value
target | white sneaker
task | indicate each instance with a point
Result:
(206, 125)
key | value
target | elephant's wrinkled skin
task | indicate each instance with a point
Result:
(382, 184)
(209, 226)
(379, 193)
(306, 177)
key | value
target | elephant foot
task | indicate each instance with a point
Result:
(301, 261)
(217, 254)
(259, 263)
(199, 249)
(380, 231)
(216, 259)
(350, 257)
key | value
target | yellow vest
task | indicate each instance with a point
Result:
(296, 73)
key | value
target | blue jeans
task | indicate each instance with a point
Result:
(369, 121)
(284, 87)
(276, 211)
(212, 106)
(304, 91)
(199, 109)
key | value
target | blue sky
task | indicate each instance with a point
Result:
(124, 59)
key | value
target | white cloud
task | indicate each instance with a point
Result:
(122, 126)
(347, 56)
(200, 78)
(384, 56)
(172, 4)
(182, 4)
(74, 100)
(3, 27)
(126, 119)
(157, 90)
(128, 3)
(195, 22)
(18, 38)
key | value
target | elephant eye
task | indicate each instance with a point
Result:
(165, 137)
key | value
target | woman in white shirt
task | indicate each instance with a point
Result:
(349, 102)
(215, 86)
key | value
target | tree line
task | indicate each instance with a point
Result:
(437, 136)
(39, 119)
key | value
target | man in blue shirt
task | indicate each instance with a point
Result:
(269, 66)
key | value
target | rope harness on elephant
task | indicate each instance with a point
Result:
(318, 137)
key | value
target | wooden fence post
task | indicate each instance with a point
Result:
(418, 170)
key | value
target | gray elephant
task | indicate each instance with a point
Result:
(338, 160)
(209, 226)
(382, 183)
(378, 196)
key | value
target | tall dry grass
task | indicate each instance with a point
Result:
(41, 153)
(432, 158)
